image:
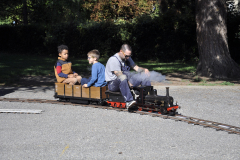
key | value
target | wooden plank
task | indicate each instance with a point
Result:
(68, 90)
(85, 92)
(103, 92)
(77, 91)
(20, 111)
(95, 92)
(59, 88)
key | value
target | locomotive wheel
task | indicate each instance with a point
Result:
(121, 106)
(163, 111)
(62, 99)
(112, 104)
(102, 103)
(172, 113)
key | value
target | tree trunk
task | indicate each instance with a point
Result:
(214, 57)
(25, 18)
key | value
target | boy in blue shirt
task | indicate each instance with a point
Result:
(98, 71)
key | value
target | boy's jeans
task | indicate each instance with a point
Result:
(85, 80)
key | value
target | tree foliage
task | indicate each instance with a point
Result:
(12, 10)
(45, 12)
(115, 9)
(164, 30)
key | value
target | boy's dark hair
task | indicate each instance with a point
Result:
(125, 47)
(61, 48)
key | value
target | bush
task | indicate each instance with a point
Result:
(25, 39)
(166, 36)
(81, 39)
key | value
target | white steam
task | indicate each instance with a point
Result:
(152, 76)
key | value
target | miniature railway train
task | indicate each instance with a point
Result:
(146, 97)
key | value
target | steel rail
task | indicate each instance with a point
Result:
(178, 117)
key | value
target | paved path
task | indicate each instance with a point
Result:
(73, 132)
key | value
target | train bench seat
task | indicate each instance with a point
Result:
(111, 92)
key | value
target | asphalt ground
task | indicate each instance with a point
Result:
(76, 132)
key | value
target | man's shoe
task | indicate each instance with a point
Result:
(130, 104)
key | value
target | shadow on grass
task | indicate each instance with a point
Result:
(15, 67)
(166, 68)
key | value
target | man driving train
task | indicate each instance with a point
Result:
(119, 77)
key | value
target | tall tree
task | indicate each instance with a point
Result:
(214, 57)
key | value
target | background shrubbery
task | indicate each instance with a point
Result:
(149, 38)
(160, 38)
(22, 38)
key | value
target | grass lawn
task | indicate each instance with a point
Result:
(14, 66)
(166, 68)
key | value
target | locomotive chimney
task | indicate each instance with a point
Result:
(167, 91)
(155, 92)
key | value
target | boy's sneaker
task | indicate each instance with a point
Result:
(130, 104)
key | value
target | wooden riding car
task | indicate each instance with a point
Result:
(79, 94)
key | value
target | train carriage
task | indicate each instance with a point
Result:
(145, 96)
(79, 94)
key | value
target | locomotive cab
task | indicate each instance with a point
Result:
(149, 100)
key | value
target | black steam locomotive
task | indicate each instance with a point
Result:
(147, 100)
(145, 96)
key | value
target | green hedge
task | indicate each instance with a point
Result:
(80, 40)
(150, 39)
(162, 38)
(22, 38)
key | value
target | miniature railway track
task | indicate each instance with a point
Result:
(190, 120)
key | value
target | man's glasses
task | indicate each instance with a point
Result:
(126, 55)
(89, 57)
